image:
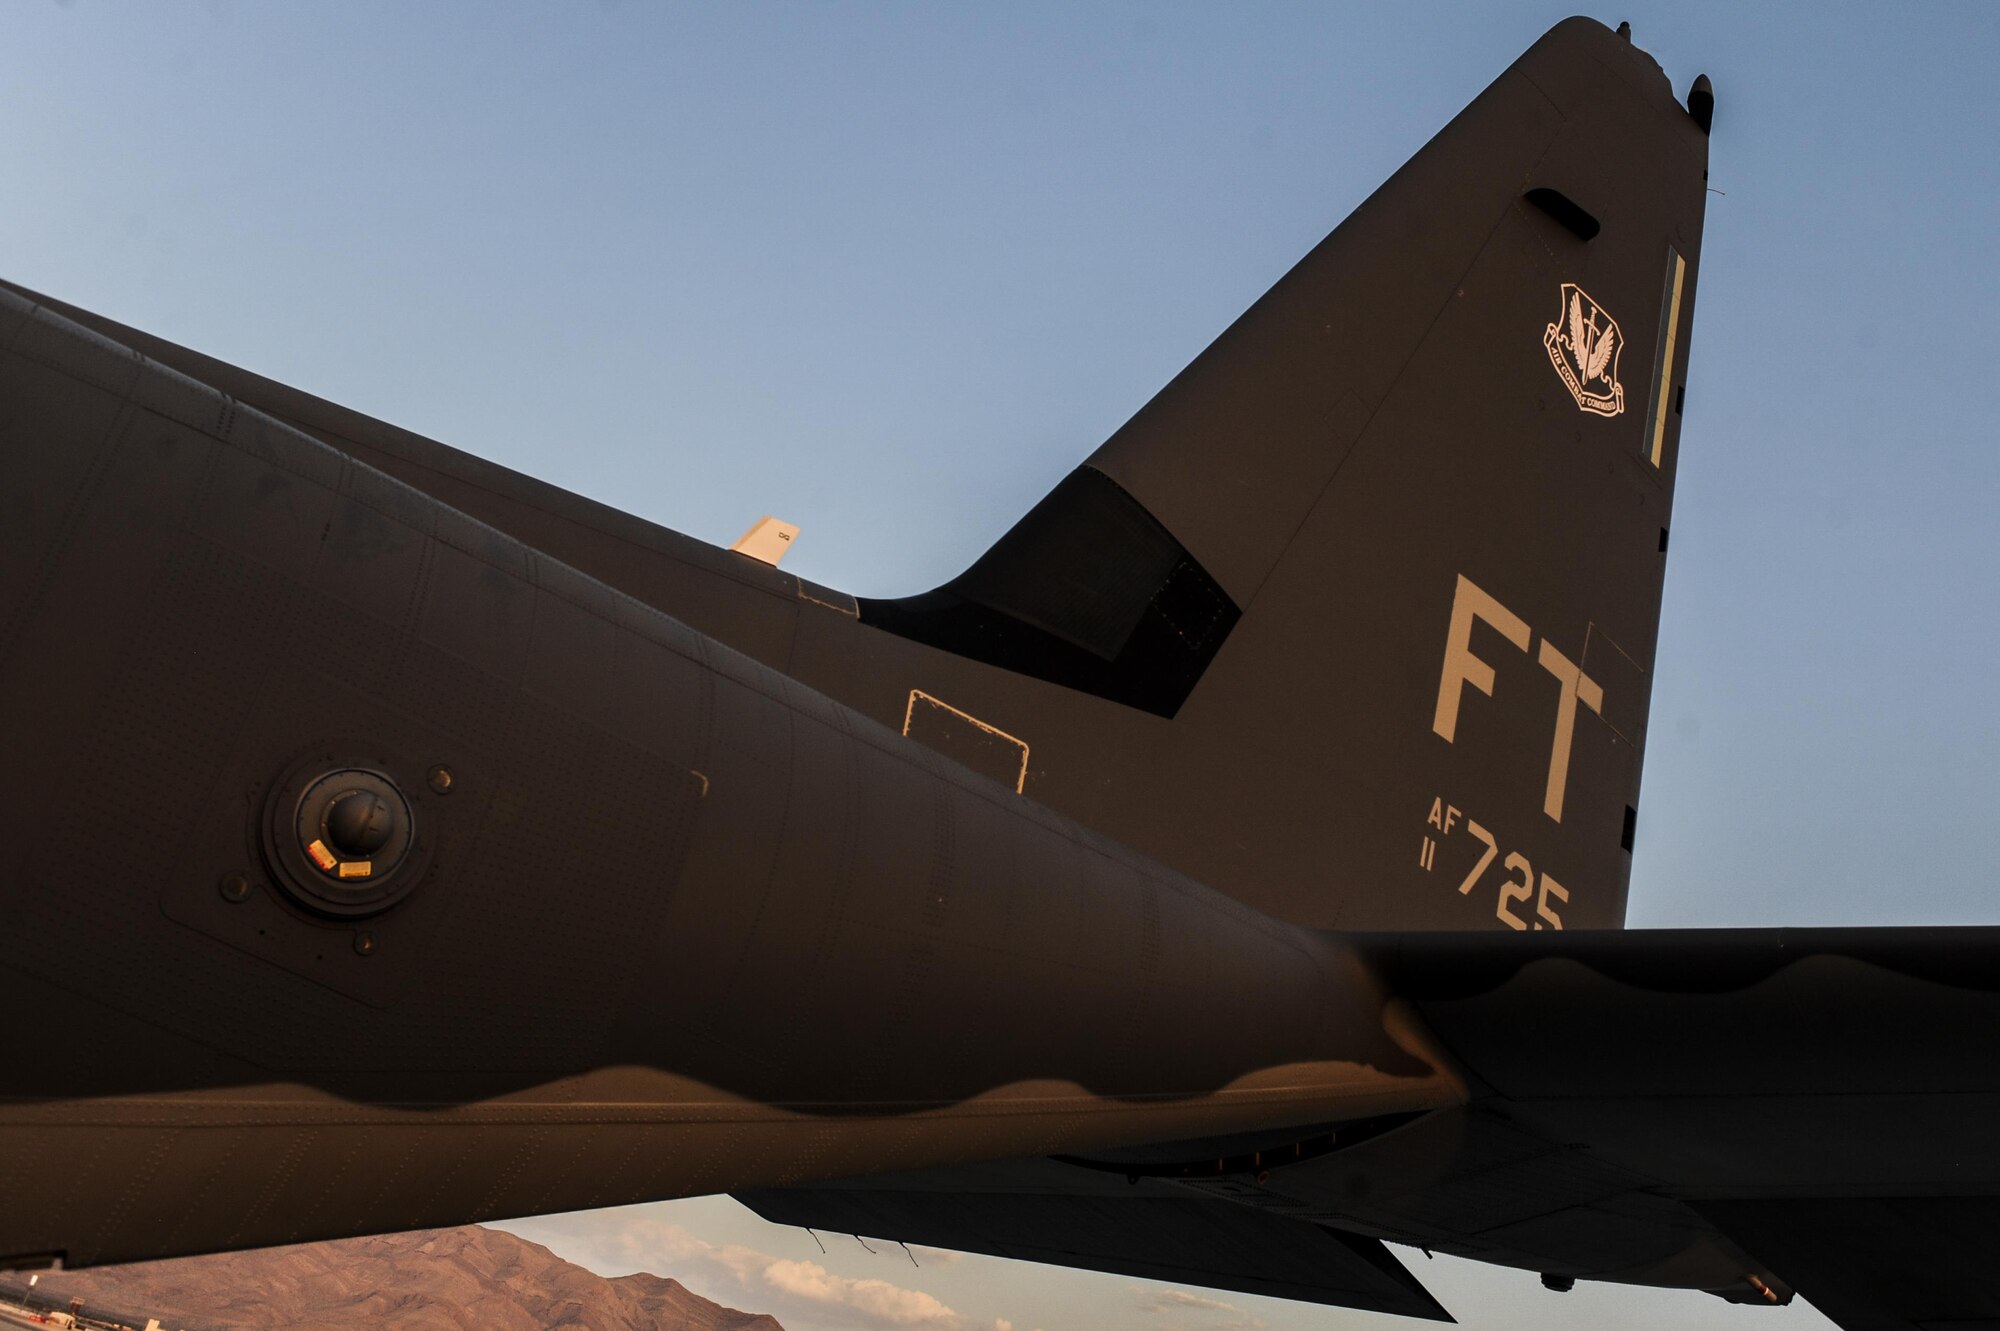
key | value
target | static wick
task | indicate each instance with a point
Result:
(863, 1242)
(822, 1246)
(907, 1253)
(1723, 192)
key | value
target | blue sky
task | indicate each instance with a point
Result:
(890, 271)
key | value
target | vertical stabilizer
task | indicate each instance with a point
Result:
(1382, 566)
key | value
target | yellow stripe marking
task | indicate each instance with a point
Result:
(1667, 359)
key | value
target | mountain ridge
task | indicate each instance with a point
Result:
(470, 1278)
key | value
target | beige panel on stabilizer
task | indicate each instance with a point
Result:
(767, 540)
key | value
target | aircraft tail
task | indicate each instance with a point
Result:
(1355, 620)
(1371, 588)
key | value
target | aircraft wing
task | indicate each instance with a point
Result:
(1188, 1240)
(1818, 1103)
(1824, 1098)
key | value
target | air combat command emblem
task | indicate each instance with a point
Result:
(1583, 345)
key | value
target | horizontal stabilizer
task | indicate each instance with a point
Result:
(1878, 1263)
(1212, 1244)
(1824, 1098)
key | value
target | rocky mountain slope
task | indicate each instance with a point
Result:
(430, 1280)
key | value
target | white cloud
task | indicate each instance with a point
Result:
(743, 1276)
(644, 1241)
(1162, 1299)
(879, 1298)
(1183, 1301)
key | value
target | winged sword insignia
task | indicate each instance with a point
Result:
(1583, 345)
